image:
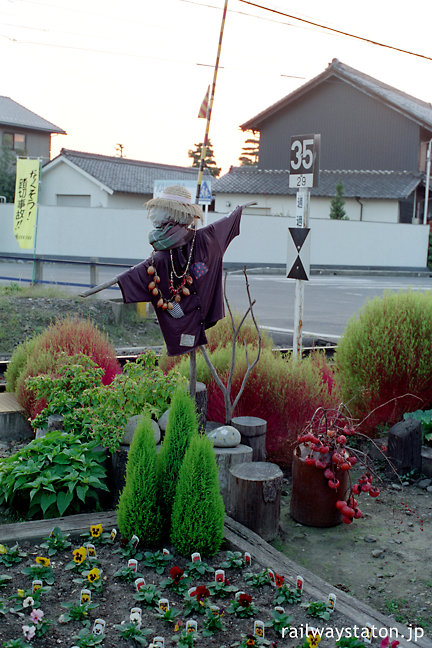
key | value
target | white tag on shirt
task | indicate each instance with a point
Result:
(187, 340)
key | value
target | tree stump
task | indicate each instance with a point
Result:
(405, 445)
(254, 496)
(253, 433)
(227, 458)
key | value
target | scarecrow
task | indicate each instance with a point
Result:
(183, 276)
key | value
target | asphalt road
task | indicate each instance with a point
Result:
(329, 300)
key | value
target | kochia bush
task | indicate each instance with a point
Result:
(384, 358)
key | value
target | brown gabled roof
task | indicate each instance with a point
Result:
(413, 108)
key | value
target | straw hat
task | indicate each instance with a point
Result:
(174, 204)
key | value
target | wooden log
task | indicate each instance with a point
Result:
(404, 445)
(254, 496)
(227, 458)
(253, 433)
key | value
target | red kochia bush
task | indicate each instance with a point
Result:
(70, 336)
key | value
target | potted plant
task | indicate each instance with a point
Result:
(323, 492)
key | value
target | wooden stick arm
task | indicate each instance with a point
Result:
(98, 288)
(249, 204)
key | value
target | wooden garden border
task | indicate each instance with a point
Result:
(238, 538)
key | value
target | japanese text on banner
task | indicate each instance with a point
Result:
(26, 198)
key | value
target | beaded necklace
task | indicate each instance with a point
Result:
(177, 282)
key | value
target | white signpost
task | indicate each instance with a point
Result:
(304, 173)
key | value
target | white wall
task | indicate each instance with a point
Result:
(378, 211)
(123, 234)
(62, 179)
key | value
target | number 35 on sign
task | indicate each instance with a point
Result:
(304, 161)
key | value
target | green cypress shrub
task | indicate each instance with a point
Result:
(138, 511)
(198, 512)
(182, 425)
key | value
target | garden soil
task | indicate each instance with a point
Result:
(383, 559)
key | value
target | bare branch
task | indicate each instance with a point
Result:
(98, 288)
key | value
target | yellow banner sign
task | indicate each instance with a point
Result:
(26, 198)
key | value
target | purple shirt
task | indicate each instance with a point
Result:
(183, 328)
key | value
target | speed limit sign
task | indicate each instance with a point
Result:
(304, 161)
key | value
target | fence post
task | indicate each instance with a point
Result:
(94, 274)
(38, 271)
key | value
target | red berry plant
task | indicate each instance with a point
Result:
(326, 439)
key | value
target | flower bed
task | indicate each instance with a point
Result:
(225, 610)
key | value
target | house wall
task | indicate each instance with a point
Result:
(376, 211)
(123, 234)
(38, 143)
(357, 131)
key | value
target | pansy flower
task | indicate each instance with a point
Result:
(29, 632)
(36, 616)
(201, 593)
(3, 549)
(245, 600)
(176, 574)
(93, 575)
(250, 640)
(313, 639)
(20, 593)
(96, 530)
(45, 562)
(279, 580)
(28, 602)
(79, 555)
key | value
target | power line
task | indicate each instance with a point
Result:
(336, 31)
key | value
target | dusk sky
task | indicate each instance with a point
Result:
(136, 72)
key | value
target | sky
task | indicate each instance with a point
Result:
(135, 72)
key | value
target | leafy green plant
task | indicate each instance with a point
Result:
(350, 642)
(127, 574)
(86, 639)
(10, 555)
(52, 475)
(157, 560)
(169, 616)
(56, 542)
(384, 357)
(243, 607)
(131, 632)
(222, 589)
(213, 621)
(40, 572)
(4, 580)
(182, 425)
(78, 612)
(258, 580)
(27, 597)
(17, 363)
(198, 568)
(234, 560)
(177, 582)
(149, 595)
(425, 418)
(138, 511)
(337, 209)
(317, 609)
(279, 621)
(198, 512)
(285, 594)
(185, 639)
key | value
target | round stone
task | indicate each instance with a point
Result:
(225, 436)
(131, 426)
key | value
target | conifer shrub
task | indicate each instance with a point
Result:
(181, 427)
(384, 354)
(71, 336)
(198, 512)
(17, 362)
(138, 511)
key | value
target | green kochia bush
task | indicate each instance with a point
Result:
(53, 475)
(198, 512)
(384, 354)
(182, 426)
(138, 511)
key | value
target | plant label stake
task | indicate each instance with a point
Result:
(280, 609)
(36, 585)
(196, 557)
(191, 591)
(165, 552)
(113, 535)
(91, 551)
(139, 582)
(219, 576)
(271, 576)
(98, 627)
(238, 594)
(134, 542)
(163, 605)
(133, 564)
(158, 642)
(136, 616)
(299, 584)
(331, 602)
(259, 628)
(191, 626)
(85, 596)
(367, 635)
(248, 559)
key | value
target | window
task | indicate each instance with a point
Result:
(15, 141)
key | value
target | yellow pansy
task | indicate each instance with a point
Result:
(313, 639)
(45, 562)
(79, 555)
(96, 530)
(3, 549)
(21, 593)
(93, 575)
